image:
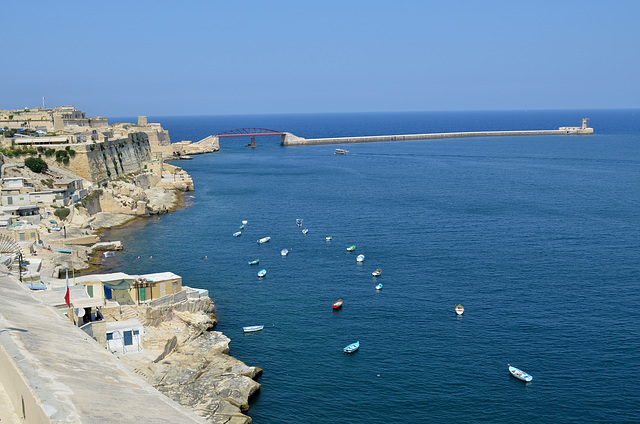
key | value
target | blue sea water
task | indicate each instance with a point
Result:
(538, 237)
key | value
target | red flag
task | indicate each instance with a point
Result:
(67, 298)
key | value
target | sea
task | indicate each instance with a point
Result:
(538, 237)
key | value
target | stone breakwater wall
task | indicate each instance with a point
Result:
(298, 141)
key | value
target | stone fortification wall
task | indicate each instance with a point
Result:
(105, 160)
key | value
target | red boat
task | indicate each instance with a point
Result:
(337, 304)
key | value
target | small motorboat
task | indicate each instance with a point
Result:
(379, 286)
(254, 262)
(244, 222)
(328, 238)
(305, 230)
(360, 258)
(352, 347)
(241, 227)
(377, 272)
(337, 304)
(237, 234)
(519, 374)
(459, 309)
(340, 152)
(299, 222)
(262, 273)
(264, 240)
(284, 252)
(252, 328)
(351, 248)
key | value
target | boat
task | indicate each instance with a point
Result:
(264, 240)
(337, 304)
(254, 262)
(262, 273)
(352, 347)
(360, 258)
(519, 374)
(459, 309)
(238, 234)
(244, 222)
(379, 286)
(340, 152)
(252, 328)
(241, 227)
(305, 230)
(284, 252)
(351, 248)
(377, 272)
(328, 238)
(299, 222)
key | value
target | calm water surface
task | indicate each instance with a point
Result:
(538, 237)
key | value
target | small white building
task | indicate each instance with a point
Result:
(125, 336)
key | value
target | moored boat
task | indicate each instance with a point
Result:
(305, 230)
(337, 304)
(284, 252)
(328, 238)
(340, 151)
(252, 328)
(351, 248)
(237, 234)
(262, 273)
(352, 347)
(254, 262)
(519, 374)
(264, 240)
(360, 258)
(459, 309)
(377, 272)
(379, 286)
(241, 227)
(299, 222)
(244, 222)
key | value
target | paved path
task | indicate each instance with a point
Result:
(70, 377)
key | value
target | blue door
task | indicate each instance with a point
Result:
(107, 292)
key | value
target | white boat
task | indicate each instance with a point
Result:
(299, 222)
(284, 252)
(377, 272)
(459, 309)
(340, 151)
(379, 286)
(328, 238)
(360, 258)
(352, 347)
(305, 230)
(244, 222)
(237, 234)
(519, 374)
(264, 240)
(262, 273)
(252, 328)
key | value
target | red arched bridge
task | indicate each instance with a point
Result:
(251, 132)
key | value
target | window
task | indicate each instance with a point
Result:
(128, 338)
(109, 336)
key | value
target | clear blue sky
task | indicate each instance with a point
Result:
(126, 58)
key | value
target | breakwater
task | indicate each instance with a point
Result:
(291, 140)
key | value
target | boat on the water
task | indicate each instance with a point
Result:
(337, 304)
(352, 347)
(379, 286)
(305, 230)
(377, 272)
(459, 309)
(254, 262)
(351, 248)
(262, 273)
(244, 222)
(519, 374)
(360, 258)
(241, 227)
(328, 238)
(237, 234)
(299, 222)
(340, 151)
(284, 252)
(252, 328)
(264, 240)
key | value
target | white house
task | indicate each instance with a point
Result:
(125, 336)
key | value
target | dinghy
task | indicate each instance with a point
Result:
(305, 230)
(360, 258)
(244, 222)
(459, 309)
(337, 304)
(299, 222)
(379, 286)
(328, 238)
(262, 273)
(252, 328)
(519, 374)
(377, 272)
(352, 347)
(264, 240)
(241, 227)
(351, 248)
(284, 252)
(237, 234)
(254, 262)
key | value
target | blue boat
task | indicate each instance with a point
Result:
(379, 286)
(352, 347)
(284, 252)
(238, 234)
(519, 374)
(262, 273)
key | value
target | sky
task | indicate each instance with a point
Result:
(168, 58)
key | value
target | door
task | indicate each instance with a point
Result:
(143, 294)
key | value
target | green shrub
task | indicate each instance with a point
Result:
(36, 164)
(49, 152)
(62, 213)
